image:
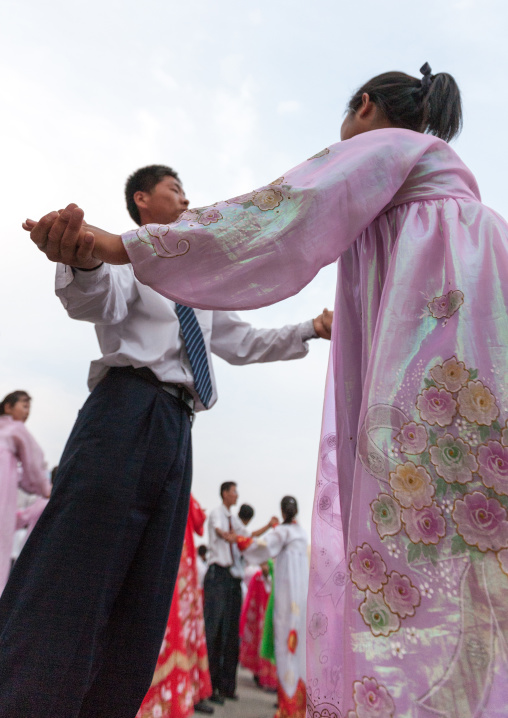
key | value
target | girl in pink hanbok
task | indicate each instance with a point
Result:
(21, 463)
(407, 611)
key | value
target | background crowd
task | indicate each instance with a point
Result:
(222, 590)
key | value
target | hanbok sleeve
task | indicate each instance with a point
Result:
(197, 516)
(34, 478)
(261, 247)
(261, 549)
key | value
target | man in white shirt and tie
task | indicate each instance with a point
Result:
(89, 596)
(223, 592)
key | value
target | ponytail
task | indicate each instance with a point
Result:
(431, 104)
(289, 509)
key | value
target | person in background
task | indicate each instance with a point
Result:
(112, 533)
(202, 564)
(21, 462)
(27, 516)
(181, 682)
(223, 593)
(287, 544)
(252, 621)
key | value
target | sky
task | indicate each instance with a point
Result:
(231, 94)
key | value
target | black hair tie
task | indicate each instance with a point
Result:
(427, 77)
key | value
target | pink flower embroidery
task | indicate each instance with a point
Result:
(241, 199)
(453, 459)
(401, 596)
(189, 215)
(477, 403)
(412, 438)
(209, 216)
(279, 180)
(502, 557)
(368, 570)
(386, 515)
(425, 525)
(372, 700)
(482, 522)
(493, 466)
(436, 406)
(267, 199)
(446, 305)
(378, 616)
(412, 485)
(452, 374)
(318, 625)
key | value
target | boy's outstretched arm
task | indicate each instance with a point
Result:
(64, 237)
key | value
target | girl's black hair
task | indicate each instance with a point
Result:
(13, 398)
(430, 104)
(289, 509)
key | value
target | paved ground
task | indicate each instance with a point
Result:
(253, 702)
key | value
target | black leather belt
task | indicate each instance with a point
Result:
(179, 392)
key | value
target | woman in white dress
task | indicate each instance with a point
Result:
(287, 543)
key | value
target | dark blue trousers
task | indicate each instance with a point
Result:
(83, 615)
(223, 605)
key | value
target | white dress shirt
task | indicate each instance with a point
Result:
(219, 550)
(138, 327)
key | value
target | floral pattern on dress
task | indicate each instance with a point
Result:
(318, 625)
(436, 406)
(450, 499)
(453, 459)
(493, 466)
(386, 515)
(451, 374)
(477, 404)
(372, 700)
(412, 485)
(400, 595)
(412, 438)
(446, 305)
(377, 615)
(368, 570)
(482, 522)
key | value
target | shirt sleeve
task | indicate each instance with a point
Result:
(101, 296)
(237, 342)
(264, 246)
(261, 549)
(34, 478)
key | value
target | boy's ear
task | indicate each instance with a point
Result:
(140, 198)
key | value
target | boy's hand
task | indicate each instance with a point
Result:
(64, 237)
(323, 324)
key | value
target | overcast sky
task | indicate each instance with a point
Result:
(231, 94)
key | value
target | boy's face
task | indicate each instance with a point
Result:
(164, 204)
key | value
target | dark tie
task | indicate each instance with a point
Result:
(196, 351)
(231, 545)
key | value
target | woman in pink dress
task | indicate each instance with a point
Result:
(21, 463)
(407, 611)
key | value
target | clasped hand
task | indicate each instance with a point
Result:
(65, 237)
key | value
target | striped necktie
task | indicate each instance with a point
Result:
(196, 351)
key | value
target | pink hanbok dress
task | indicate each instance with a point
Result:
(408, 599)
(21, 463)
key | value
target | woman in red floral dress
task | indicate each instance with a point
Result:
(251, 629)
(182, 679)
